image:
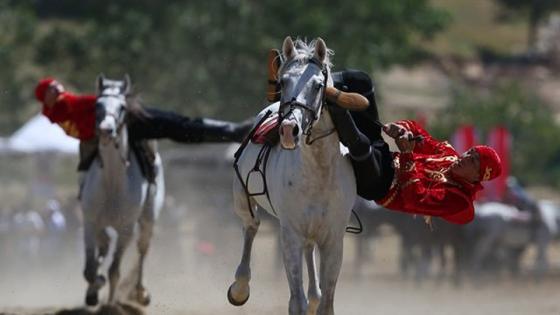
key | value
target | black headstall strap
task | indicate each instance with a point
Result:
(121, 123)
(292, 104)
(308, 139)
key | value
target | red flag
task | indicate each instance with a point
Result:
(464, 138)
(421, 119)
(499, 138)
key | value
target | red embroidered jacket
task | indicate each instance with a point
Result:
(422, 184)
(74, 114)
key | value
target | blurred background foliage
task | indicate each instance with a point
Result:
(535, 154)
(208, 58)
(200, 57)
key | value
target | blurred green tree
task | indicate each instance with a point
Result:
(209, 57)
(534, 10)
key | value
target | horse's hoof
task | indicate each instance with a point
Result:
(143, 297)
(92, 299)
(233, 301)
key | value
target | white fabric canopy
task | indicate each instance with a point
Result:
(40, 135)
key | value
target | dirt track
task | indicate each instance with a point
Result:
(196, 250)
(191, 277)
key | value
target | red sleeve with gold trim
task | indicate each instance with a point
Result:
(428, 145)
(57, 113)
(70, 107)
(81, 104)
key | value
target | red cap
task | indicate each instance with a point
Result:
(42, 87)
(490, 163)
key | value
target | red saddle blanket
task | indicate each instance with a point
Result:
(267, 131)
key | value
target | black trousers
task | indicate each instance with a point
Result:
(159, 124)
(374, 174)
(369, 186)
(150, 123)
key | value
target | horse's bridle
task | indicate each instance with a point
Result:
(120, 117)
(293, 104)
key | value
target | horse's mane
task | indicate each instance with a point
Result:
(134, 107)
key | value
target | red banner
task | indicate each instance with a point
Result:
(499, 138)
(464, 138)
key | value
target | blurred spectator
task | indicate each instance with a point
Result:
(54, 219)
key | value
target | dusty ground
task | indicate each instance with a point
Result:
(188, 276)
(196, 250)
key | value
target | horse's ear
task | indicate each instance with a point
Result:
(99, 83)
(288, 49)
(320, 50)
(127, 85)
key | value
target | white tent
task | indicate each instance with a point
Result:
(40, 135)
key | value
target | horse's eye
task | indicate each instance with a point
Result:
(317, 85)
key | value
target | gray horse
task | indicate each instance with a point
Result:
(116, 194)
(311, 184)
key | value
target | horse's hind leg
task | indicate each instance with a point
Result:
(95, 282)
(238, 292)
(146, 230)
(331, 261)
(313, 292)
(124, 236)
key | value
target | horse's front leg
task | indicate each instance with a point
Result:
(292, 250)
(238, 292)
(124, 237)
(313, 292)
(331, 261)
(146, 224)
(95, 281)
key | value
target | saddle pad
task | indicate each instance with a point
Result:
(267, 131)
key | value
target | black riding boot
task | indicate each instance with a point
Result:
(357, 143)
(221, 131)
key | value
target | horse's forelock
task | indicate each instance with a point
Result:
(306, 51)
(115, 87)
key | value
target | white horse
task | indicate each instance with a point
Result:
(311, 184)
(116, 194)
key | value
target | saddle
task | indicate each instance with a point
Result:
(145, 151)
(267, 131)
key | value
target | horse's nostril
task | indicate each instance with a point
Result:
(295, 131)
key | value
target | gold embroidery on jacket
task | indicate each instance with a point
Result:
(442, 159)
(70, 128)
(409, 166)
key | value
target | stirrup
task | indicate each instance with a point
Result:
(274, 63)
